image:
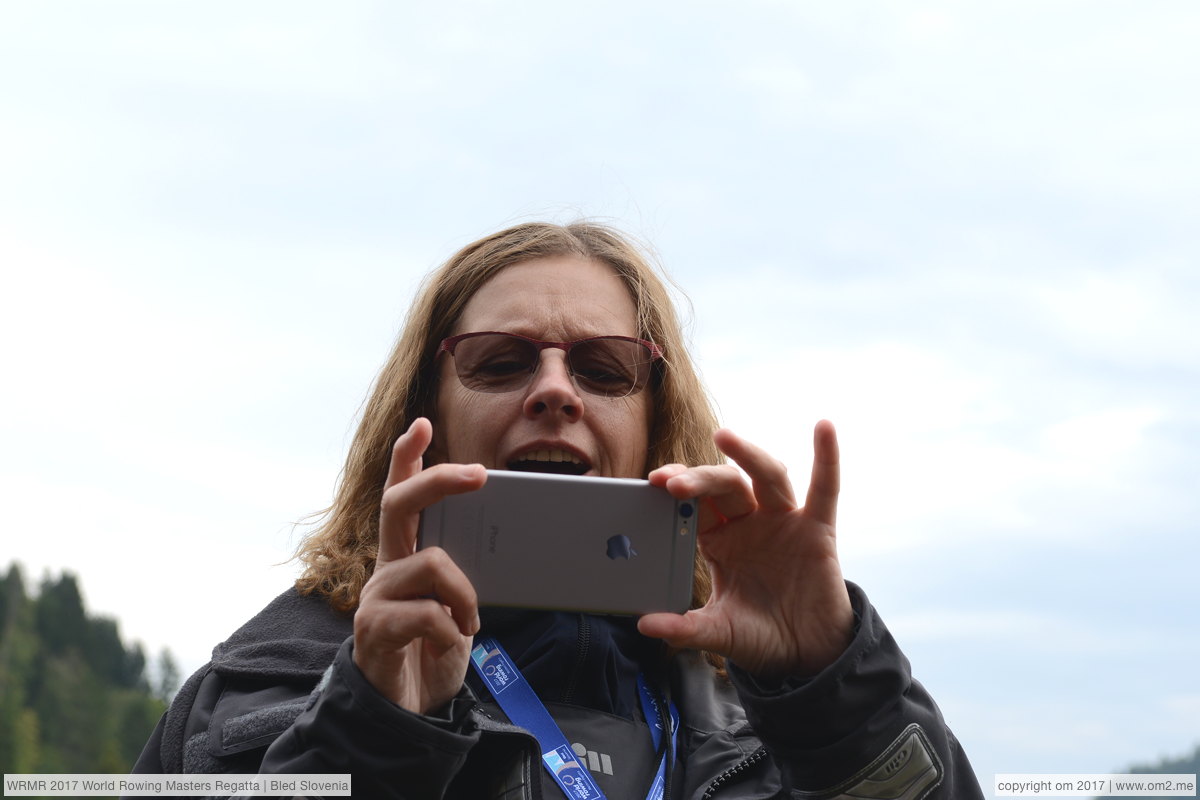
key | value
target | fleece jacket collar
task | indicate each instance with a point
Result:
(294, 638)
(580, 659)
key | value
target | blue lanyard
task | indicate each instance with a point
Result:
(652, 711)
(518, 700)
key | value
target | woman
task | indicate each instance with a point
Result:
(364, 666)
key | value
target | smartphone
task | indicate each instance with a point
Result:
(570, 543)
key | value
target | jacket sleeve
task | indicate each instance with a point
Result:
(342, 726)
(348, 727)
(862, 727)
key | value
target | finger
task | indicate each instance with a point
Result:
(407, 452)
(722, 492)
(403, 501)
(394, 539)
(392, 625)
(772, 488)
(428, 574)
(823, 489)
(724, 488)
(660, 476)
(668, 627)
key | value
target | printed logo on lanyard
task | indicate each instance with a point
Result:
(570, 774)
(494, 666)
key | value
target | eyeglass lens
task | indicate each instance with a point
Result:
(497, 362)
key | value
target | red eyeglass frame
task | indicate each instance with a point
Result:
(448, 344)
(656, 353)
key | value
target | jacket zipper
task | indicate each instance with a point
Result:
(734, 771)
(583, 643)
(532, 767)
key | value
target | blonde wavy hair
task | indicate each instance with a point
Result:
(339, 555)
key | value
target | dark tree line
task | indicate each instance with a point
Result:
(73, 696)
(1188, 764)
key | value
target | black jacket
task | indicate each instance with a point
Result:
(283, 695)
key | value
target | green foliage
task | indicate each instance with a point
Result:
(73, 696)
(1184, 765)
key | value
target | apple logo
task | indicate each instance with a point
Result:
(619, 546)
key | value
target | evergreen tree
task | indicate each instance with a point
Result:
(61, 622)
(73, 696)
(1184, 765)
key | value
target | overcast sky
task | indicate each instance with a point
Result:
(966, 233)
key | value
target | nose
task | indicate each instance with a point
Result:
(552, 390)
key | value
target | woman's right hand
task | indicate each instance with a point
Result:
(418, 611)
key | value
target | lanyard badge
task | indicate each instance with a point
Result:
(518, 700)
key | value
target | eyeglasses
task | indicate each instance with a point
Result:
(494, 362)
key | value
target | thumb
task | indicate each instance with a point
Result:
(698, 629)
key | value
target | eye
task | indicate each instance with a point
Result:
(501, 366)
(601, 373)
(604, 367)
(494, 363)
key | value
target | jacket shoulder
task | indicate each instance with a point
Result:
(258, 682)
(295, 637)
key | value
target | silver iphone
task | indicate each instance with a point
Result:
(564, 542)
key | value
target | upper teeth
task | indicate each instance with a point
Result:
(549, 455)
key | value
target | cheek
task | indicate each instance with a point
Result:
(469, 423)
(456, 406)
(629, 424)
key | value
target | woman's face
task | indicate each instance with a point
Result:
(551, 423)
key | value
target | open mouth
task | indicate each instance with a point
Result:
(555, 462)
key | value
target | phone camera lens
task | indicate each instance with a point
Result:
(686, 510)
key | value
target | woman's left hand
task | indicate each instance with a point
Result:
(779, 606)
